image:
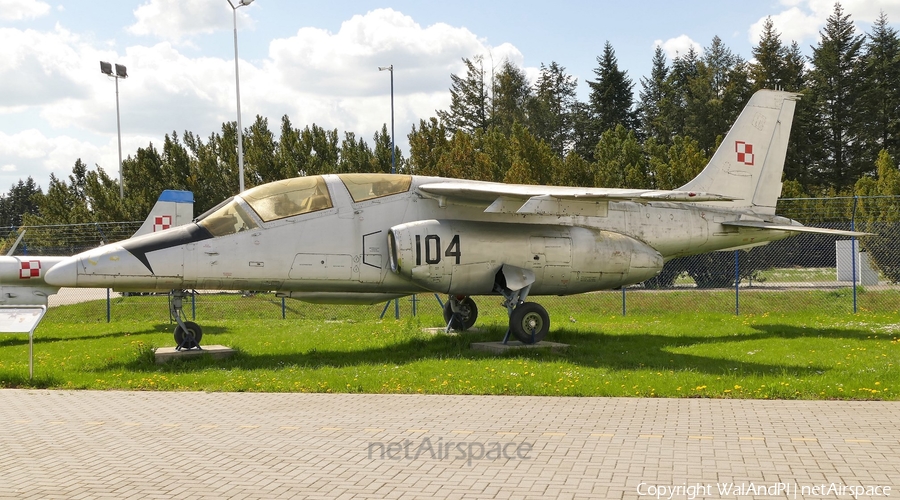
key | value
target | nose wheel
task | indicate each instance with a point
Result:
(187, 333)
(460, 313)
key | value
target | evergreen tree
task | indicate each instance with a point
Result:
(426, 145)
(291, 155)
(22, 198)
(767, 72)
(611, 97)
(651, 95)
(551, 107)
(837, 86)
(510, 97)
(620, 161)
(716, 94)
(677, 93)
(882, 98)
(469, 101)
(356, 155)
(259, 154)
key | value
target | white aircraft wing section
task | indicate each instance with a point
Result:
(796, 229)
(552, 200)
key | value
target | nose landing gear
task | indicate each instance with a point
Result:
(187, 333)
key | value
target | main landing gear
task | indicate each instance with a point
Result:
(528, 321)
(187, 333)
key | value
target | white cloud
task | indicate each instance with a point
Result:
(678, 46)
(17, 10)
(792, 25)
(176, 20)
(332, 79)
(39, 68)
(804, 19)
(315, 76)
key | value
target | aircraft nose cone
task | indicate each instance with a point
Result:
(63, 274)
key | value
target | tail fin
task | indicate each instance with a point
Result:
(173, 208)
(749, 162)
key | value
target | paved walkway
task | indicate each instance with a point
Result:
(61, 444)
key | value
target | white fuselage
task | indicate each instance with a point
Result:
(343, 251)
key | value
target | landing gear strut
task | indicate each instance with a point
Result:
(187, 333)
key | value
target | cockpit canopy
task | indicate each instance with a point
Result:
(297, 196)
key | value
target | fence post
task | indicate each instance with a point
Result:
(283, 316)
(737, 280)
(107, 306)
(623, 301)
(853, 250)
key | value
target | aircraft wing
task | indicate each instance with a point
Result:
(558, 200)
(796, 229)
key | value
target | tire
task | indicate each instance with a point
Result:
(188, 339)
(465, 318)
(529, 322)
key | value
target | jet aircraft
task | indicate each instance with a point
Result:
(368, 238)
(22, 277)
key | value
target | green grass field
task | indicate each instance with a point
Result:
(807, 347)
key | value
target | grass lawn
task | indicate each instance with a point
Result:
(805, 349)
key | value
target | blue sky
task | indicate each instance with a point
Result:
(317, 61)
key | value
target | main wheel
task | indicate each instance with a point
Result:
(529, 322)
(188, 339)
(464, 318)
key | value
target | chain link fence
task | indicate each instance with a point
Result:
(808, 271)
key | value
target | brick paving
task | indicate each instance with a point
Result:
(85, 444)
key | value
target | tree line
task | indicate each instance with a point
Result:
(501, 127)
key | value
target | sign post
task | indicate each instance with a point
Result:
(22, 319)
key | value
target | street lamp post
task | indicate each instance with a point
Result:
(237, 86)
(121, 72)
(391, 69)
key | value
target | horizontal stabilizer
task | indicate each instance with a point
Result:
(796, 229)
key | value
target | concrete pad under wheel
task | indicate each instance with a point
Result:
(500, 347)
(166, 354)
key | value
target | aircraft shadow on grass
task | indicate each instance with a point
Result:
(40, 339)
(588, 349)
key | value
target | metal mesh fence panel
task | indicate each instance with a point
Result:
(804, 272)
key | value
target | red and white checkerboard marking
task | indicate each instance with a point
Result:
(162, 222)
(30, 269)
(744, 152)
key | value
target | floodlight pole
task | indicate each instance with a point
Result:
(391, 69)
(119, 134)
(121, 72)
(237, 86)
